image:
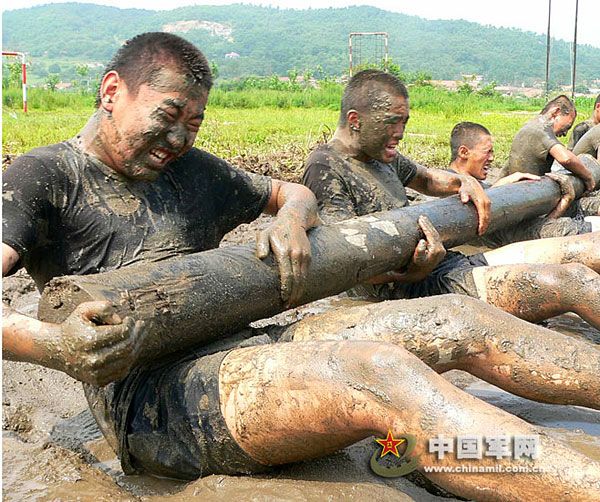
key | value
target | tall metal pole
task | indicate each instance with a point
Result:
(350, 52)
(548, 47)
(23, 74)
(574, 50)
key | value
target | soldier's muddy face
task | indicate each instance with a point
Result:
(382, 127)
(149, 129)
(563, 123)
(481, 157)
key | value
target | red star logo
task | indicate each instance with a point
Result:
(390, 445)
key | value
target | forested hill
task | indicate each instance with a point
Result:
(271, 40)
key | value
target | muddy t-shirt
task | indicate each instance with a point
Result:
(530, 150)
(578, 131)
(66, 213)
(346, 187)
(589, 143)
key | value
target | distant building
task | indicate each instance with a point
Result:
(528, 92)
(312, 82)
(473, 79)
(232, 55)
(63, 86)
(451, 85)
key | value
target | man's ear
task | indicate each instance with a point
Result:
(109, 88)
(554, 112)
(464, 152)
(353, 120)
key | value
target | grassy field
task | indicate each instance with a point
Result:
(273, 131)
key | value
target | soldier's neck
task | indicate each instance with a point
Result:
(346, 142)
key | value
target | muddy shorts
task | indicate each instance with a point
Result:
(453, 275)
(167, 421)
(589, 205)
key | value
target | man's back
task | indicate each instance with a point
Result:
(578, 132)
(589, 143)
(530, 150)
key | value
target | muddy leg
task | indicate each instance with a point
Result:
(296, 401)
(583, 249)
(458, 332)
(537, 292)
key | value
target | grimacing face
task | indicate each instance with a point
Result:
(481, 156)
(382, 127)
(563, 123)
(156, 125)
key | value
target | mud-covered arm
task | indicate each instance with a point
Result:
(571, 162)
(296, 209)
(439, 183)
(93, 344)
(430, 251)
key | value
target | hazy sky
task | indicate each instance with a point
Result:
(531, 15)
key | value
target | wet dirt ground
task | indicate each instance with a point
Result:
(52, 449)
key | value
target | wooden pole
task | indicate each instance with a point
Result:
(197, 298)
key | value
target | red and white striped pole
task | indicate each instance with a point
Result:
(23, 74)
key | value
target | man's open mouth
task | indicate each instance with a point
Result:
(160, 156)
(390, 149)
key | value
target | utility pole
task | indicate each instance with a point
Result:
(574, 51)
(548, 48)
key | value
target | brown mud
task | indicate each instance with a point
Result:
(52, 449)
(285, 165)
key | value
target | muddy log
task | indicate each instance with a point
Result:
(200, 297)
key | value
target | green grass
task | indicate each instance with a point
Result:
(44, 100)
(275, 135)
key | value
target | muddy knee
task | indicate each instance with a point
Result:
(329, 394)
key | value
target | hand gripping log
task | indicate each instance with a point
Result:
(197, 298)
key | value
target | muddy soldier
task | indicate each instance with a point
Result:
(472, 153)
(536, 147)
(360, 172)
(589, 143)
(580, 129)
(131, 187)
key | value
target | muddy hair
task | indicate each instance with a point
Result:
(145, 55)
(465, 133)
(356, 93)
(563, 102)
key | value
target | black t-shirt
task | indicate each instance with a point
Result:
(346, 187)
(66, 213)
